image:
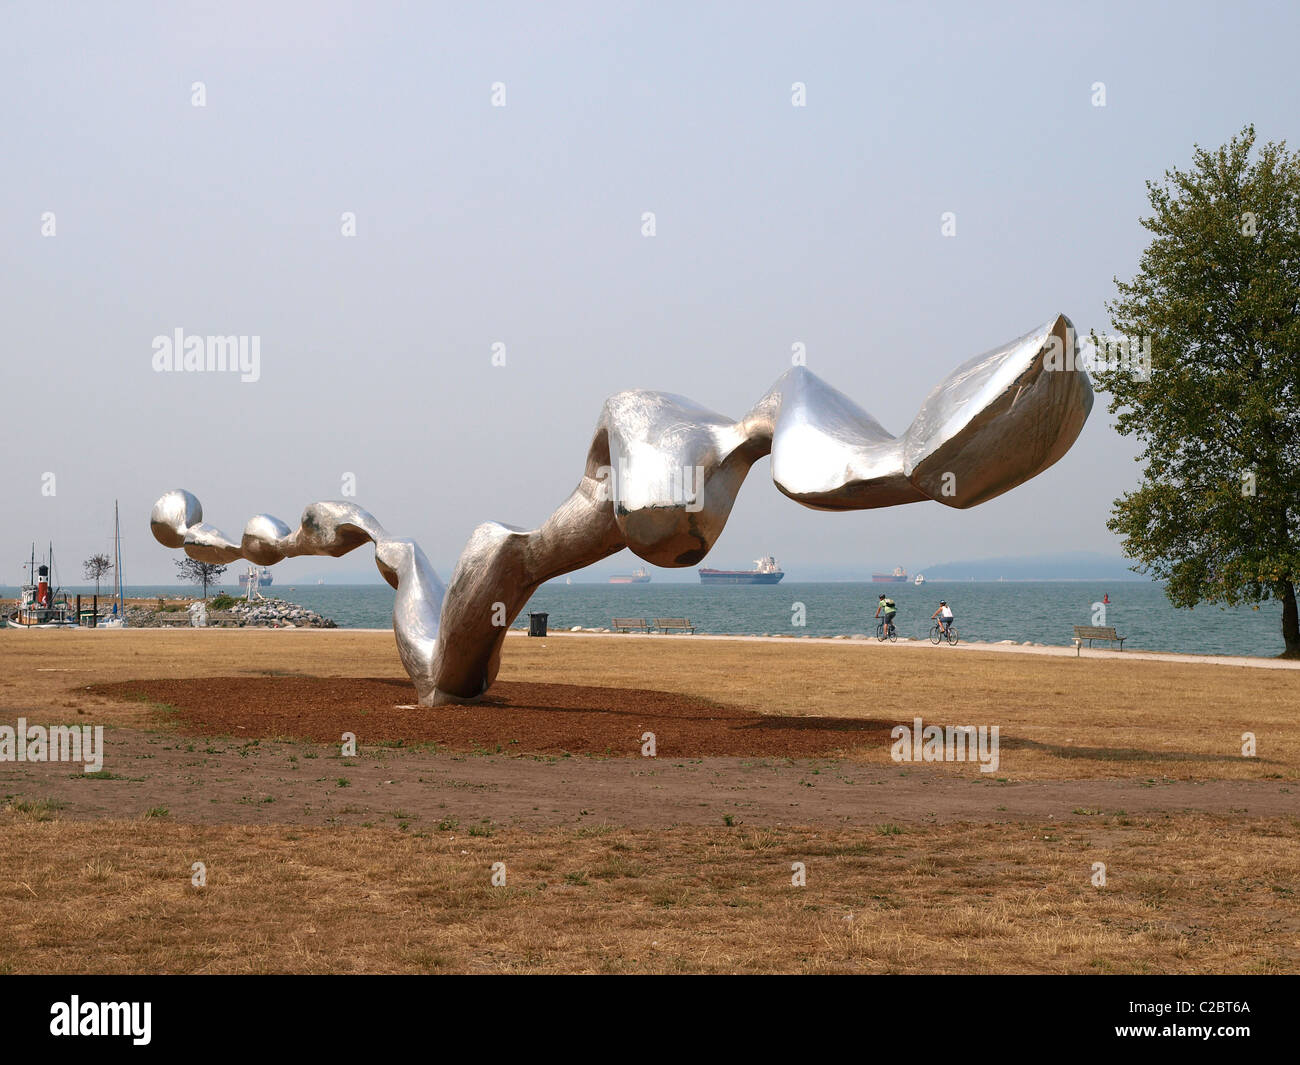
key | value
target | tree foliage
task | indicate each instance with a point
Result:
(1217, 295)
(196, 572)
(96, 568)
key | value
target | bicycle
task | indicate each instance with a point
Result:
(937, 634)
(880, 632)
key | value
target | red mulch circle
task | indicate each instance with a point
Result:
(515, 717)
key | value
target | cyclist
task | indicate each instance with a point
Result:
(887, 606)
(944, 614)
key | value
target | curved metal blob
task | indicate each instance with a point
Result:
(674, 469)
(661, 477)
(830, 454)
(999, 419)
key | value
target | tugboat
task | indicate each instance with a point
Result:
(37, 608)
(766, 571)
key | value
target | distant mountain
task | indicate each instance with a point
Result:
(1066, 566)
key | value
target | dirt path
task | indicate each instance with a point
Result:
(216, 781)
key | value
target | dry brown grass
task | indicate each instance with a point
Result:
(1060, 718)
(46, 672)
(1184, 894)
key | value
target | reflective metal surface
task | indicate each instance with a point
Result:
(662, 474)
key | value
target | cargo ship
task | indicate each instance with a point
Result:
(766, 571)
(640, 576)
(899, 576)
(264, 578)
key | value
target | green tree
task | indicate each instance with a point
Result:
(196, 572)
(1217, 294)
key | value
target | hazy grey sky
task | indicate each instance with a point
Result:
(522, 225)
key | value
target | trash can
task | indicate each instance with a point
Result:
(537, 624)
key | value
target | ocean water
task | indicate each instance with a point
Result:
(987, 611)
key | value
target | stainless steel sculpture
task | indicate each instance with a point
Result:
(662, 475)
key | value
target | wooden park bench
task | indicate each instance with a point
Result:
(669, 624)
(1096, 632)
(222, 617)
(628, 624)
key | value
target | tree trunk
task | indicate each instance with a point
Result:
(1290, 621)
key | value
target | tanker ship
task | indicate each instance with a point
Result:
(264, 578)
(766, 571)
(640, 576)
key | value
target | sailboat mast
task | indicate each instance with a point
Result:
(117, 561)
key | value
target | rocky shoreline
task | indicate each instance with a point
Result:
(277, 614)
(260, 613)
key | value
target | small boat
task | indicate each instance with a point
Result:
(639, 576)
(766, 571)
(920, 579)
